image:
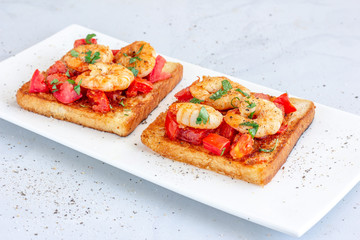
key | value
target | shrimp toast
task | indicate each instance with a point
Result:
(89, 91)
(257, 167)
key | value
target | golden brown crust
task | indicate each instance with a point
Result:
(121, 120)
(258, 168)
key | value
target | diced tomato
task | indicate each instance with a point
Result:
(243, 145)
(171, 125)
(226, 131)
(193, 135)
(216, 144)
(139, 85)
(57, 67)
(282, 129)
(157, 74)
(115, 51)
(283, 99)
(263, 96)
(66, 93)
(37, 83)
(184, 95)
(82, 41)
(99, 101)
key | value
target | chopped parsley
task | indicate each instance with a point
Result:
(233, 100)
(67, 73)
(134, 59)
(122, 103)
(91, 58)
(203, 116)
(74, 53)
(251, 115)
(252, 131)
(251, 104)
(196, 100)
(140, 49)
(89, 37)
(54, 81)
(134, 71)
(222, 152)
(77, 87)
(226, 86)
(71, 81)
(269, 150)
(243, 93)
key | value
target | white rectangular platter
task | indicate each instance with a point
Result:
(322, 168)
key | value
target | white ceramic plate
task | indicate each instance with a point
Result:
(322, 168)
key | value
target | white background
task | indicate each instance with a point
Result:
(309, 49)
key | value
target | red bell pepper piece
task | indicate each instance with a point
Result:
(243, 145)
(82, 41)
(216, 144)
(37, 83)
(157, 74)
(184, 95)
(171, 125)
(283, 100)
(115, 51)
(193, 135)
(99, 101)
(226, 131)
(139, 85)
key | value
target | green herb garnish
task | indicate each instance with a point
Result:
(89, 37)
(134, 71)
(251, 115)
(242, 92)
(203, 116)
(54, 81)
(91, 58)
(77, 87)
(125, 55)
(134, 59)
(71, 81)
(251, 104)
(222, 152)
(139, 50)
(74, 53)
(233, 100)
(196, 100)
(67, 73)
(269, 150)
(252, 131)
(226, 86)
(122, 103)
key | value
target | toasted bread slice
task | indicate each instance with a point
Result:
(121, 120)
(258, 168)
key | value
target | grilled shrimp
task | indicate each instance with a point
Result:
(139, 55)
(82, 56)
(192, 115)
(106, 77)
(265, 117)
(206, 90)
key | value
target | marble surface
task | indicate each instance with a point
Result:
(307, 48)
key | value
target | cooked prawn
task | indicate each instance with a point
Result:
(204, 90)
(267, 117)
(80, 57)
(187, 114)
(139, 55)
(106, 77)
